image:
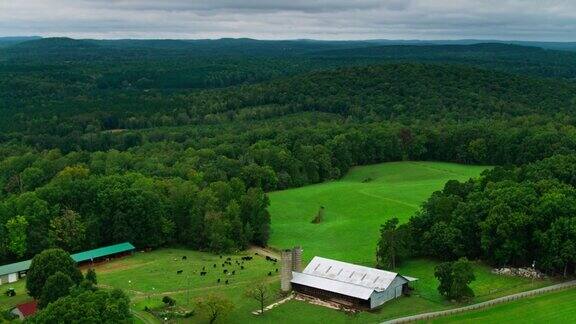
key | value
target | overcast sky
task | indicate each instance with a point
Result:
(552, 20)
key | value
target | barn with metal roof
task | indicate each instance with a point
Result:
(12, 272)
(349, 284)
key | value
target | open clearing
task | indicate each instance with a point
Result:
(556, 307)
(356, 206)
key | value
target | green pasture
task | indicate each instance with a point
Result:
(356, 206)
(555, 307)
(149, 276)
(21, 297)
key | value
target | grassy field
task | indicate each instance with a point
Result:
(148, 277)
(356, 206)
(21, 295)
(556, 307)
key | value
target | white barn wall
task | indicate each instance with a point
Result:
(393, 291)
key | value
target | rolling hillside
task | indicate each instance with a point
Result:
(356, 206)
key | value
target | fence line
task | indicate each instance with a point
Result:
(489, 303)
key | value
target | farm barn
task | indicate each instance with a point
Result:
(13, 272)
(349, 284)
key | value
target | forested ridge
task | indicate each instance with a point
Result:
(180, 148)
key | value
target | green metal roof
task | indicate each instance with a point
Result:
(103, 251)
(15, 267)
(78, 257)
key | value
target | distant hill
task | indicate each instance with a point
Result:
(507, 57)
(9, 41)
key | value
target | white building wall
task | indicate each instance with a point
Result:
(393, 291)
(13, 277)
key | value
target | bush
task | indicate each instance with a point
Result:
(169, 301)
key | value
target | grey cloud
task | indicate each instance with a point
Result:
(285, 19)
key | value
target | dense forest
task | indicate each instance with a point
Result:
(165, 142)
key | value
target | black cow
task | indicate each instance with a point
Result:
(242, 267)
(184, 258)
(225, 271)
(226, 281)
(270, 273)
(179, 271)
(218, 280)
(233, 272)
(203, 273)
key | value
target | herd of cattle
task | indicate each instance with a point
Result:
(228, 263)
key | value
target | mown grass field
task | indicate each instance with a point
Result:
(356, 206)
(148, 277)
(21, 295)
(556, 307)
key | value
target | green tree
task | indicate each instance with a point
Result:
(47, 264)
(455, 278)
(17, 235)
(67, 231)
(57, 286)
(91, 276)
(392, 246)
(87, 306)
(215, 307)
(259, 292)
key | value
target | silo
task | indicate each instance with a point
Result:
(286, 275)
(297, 259)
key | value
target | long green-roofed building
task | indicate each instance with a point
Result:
(12, 272)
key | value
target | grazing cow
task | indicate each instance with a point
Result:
(214, 265)
(226, 281)
(220, 257)
(204, 268)
(233, 272)
(276, 269)
(225, 271)
(270, 273)
(184, 258)
(256, 253)
(203, 273)
(228, 258)
(242, 267)
(218, 280)
(179, 271)
(268, 258)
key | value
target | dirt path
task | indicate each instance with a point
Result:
(264, 252)
(142, 295)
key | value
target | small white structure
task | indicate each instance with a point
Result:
(12, 272)
(349, 284)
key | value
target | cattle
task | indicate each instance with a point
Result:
(204, 268)
(233, 272)
(225, 271)
(218, 280)
(228, 258)
(276, 269)
(179, 271)
(270, 273)
(184, 258)
(226, 282)
(214, 265)
(242, 267)
(203, 273)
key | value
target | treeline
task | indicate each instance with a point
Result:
(84, 166)
(77, 210)
(519, 216)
